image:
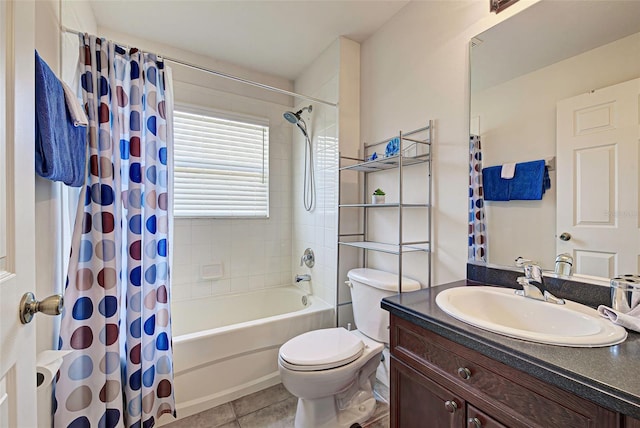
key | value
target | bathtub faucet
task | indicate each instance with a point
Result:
(303, 277)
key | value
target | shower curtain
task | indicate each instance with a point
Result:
(477, 227)
(117, 313)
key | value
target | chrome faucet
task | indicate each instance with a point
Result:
(533, 284)
(303, 277)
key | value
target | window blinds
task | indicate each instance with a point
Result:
(221, 166)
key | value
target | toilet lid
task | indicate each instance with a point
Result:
(321, 349)
(382, 280)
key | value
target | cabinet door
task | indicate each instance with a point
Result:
(418, 402)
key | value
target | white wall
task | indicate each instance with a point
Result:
(518, 123)
(415, 68)
(350, 219)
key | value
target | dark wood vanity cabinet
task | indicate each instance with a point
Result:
(436, 383)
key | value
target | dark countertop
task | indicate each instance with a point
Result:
(608, 376)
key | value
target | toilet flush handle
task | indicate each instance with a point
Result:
(349, 284)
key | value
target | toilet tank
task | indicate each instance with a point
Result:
(368, 288)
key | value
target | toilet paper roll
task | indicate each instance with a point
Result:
(47, 365)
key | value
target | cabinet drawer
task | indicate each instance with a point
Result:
(514, 397)
(478, 419)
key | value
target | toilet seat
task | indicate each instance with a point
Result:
(321, 350)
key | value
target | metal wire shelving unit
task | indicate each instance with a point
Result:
(414, 149)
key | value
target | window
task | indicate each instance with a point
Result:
(221, 165)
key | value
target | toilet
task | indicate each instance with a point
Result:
(332, 371)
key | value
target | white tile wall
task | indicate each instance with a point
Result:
(253, 253)
(318, 229)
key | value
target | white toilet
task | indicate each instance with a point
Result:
(332, 371)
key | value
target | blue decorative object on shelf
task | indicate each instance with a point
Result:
(373, 156)
(393, 146)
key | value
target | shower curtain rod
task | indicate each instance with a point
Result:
(226, 76)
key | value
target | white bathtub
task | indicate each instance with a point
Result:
(227, 347)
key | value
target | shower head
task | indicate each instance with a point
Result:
(291, 117)
(294, 118)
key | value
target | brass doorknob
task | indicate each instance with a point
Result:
(29, 306)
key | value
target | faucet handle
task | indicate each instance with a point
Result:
(308, 258)
(534, 272)
(521, 261)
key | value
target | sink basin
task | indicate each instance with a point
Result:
(501, 311)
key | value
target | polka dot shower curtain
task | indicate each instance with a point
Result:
(477, 227)
(117, 313)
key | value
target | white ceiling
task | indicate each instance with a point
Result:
(276, 37)
(547, 32)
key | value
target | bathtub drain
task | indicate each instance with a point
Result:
(305, 301)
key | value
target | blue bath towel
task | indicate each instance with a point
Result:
(494, 187)
(60, 146)
(529, 182)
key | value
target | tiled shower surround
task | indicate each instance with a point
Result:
(259, 253)
(251, 253)
(262, 253)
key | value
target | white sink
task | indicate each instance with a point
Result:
(501, 311)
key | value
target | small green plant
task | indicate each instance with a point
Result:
(379, 192)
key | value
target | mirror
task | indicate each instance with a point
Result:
(520, 69)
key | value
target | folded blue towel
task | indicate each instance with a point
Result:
(529, 182)
(60, 146)
(392, 147)
(494, 187)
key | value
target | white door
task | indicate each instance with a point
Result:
(17, 266)
(597, 179)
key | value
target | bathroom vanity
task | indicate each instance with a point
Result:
(445, 373)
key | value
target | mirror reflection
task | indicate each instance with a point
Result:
(560, 82)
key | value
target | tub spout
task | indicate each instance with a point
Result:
(303, 277)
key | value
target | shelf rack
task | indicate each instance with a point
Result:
(414, 149)
(390, 162)
(388, 248)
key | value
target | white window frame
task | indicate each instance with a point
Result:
(181, 182)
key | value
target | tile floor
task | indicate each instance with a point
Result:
(273, 407)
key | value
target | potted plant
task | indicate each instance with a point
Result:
(377, 197)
